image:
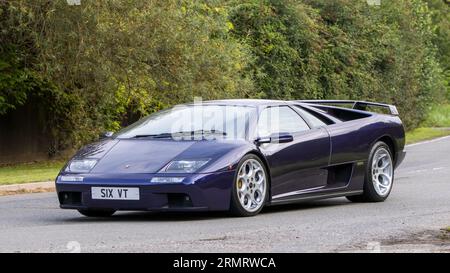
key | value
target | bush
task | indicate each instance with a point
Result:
(440, 15)
(120, 60)
(284, 38)
(342, 49)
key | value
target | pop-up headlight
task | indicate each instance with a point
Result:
(81, 166)
(184, 166)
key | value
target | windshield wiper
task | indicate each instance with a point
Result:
(182, 133)
(163, 135)
(201, 132)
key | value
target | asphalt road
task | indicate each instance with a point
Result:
(419, 202)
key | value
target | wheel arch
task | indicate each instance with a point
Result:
(390, 143)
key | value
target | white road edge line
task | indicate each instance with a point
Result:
(427, 141)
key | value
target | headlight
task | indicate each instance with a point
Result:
(184, 166)
(81, 166)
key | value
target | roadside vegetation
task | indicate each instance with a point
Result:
(30, 172)
(438, 116)
(436, 124)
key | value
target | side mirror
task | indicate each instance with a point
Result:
(106, 134)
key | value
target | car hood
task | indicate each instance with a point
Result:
(151, 155)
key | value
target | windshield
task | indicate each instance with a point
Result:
(193, 121)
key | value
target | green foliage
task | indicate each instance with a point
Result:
(14, 85)
(284, 38)
(16, 80)
(115, 61)
(438, 116)
(436, 124)
(440, 15)
(425, 133)
(342, 49)
(21, 81)
(104, 64)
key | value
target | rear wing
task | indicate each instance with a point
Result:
(358, 105)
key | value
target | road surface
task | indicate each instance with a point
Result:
(417, 208)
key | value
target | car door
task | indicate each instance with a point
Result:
(298, 165)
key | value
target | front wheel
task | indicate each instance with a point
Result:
(250, 187)
(379, 175)
(96, 213)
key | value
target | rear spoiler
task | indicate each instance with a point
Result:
(358, 105)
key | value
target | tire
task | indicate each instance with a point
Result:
(96, 213)
(378, 181)
(250, 188)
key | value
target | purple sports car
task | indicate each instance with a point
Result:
(238, 156)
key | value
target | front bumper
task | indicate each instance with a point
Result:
(198, 192)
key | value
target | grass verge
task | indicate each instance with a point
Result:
(31, 172)
(439, 116)
(436, 124)
(421, 134)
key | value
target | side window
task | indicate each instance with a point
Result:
(313, 120)
(280, 120)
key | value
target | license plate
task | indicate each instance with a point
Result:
(115, 193)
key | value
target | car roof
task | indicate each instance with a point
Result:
(247, 102)
(266, 102)
(260, 103)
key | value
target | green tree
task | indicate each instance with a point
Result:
(342, 49)
(119, 60)
(440, 14)
(284, 37)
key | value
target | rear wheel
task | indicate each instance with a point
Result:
(379, 175)
(250, 187)
(96, 213)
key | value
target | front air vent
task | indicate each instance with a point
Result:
(179, 200)
(69, 198)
